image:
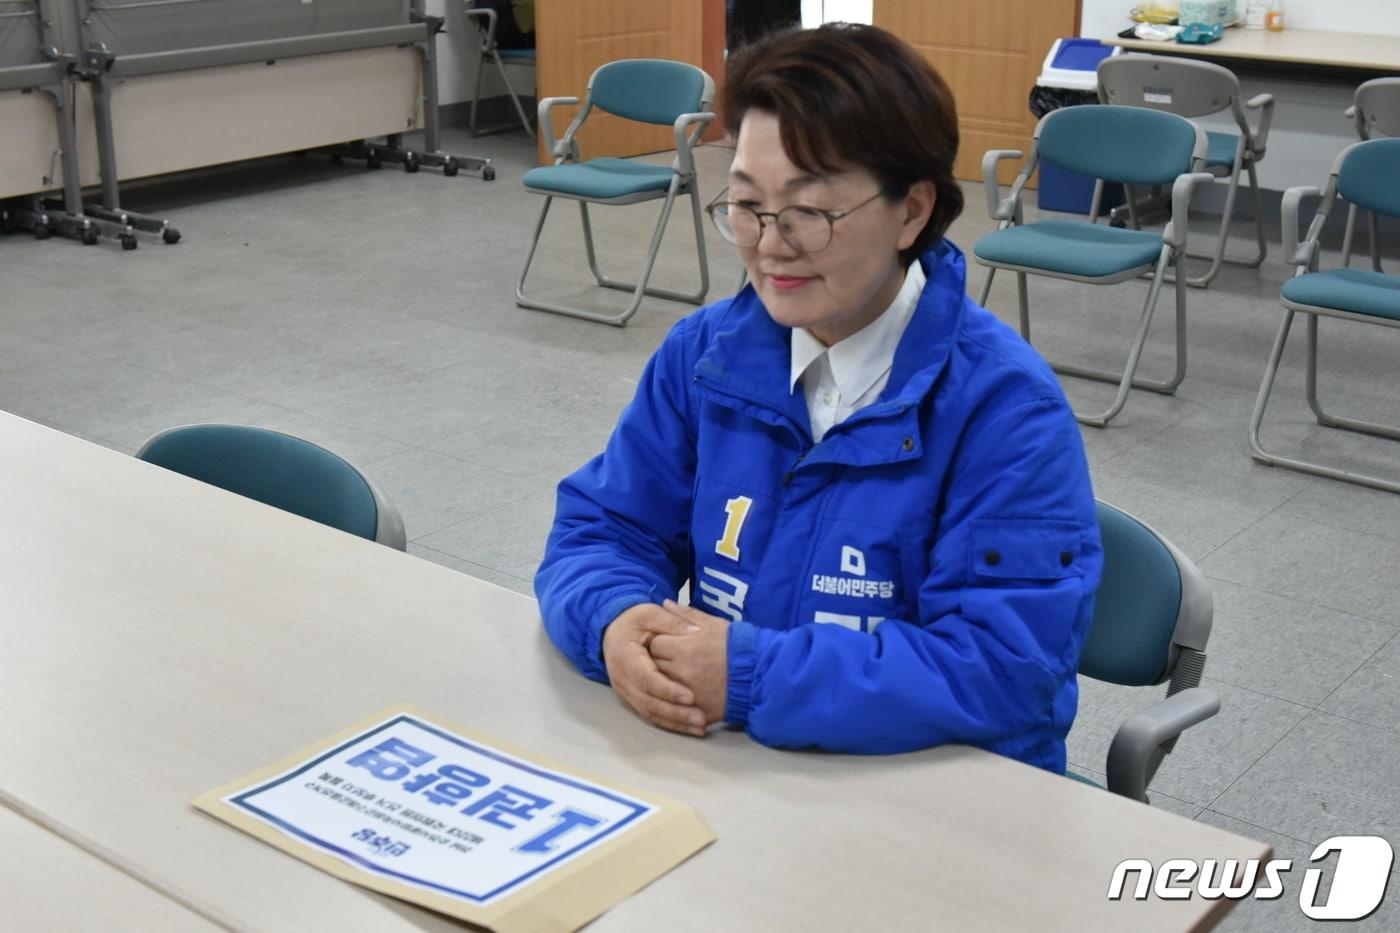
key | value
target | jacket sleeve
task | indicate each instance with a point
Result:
(621, 525)
(1003, 613)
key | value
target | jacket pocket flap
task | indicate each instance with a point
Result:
(1025, 548)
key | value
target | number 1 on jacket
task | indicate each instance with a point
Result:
(737, 509)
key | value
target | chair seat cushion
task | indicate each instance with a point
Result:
(1221, 148)
(1070, 247)
(516, 54)
(1360, 291)
(600, 179)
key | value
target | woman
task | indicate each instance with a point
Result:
(877, 491)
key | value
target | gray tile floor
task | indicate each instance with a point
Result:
(372, 312)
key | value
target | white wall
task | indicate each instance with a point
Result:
(1102, 18)
(458, 51)
(816, 12)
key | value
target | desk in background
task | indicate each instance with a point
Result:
(1314, 47)
(163, 637)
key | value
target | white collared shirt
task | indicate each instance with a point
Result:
(841, 379)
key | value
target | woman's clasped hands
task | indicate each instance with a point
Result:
(670, 664)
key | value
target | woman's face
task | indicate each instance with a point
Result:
(836, 291)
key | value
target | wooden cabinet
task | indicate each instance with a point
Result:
(574, 38)
(990, 52)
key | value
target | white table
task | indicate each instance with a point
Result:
(162, 637)
(49, 885)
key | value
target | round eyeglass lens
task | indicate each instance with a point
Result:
(804, 228)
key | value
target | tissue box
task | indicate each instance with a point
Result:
(1207, 12)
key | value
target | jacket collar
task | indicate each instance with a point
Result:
(747, 367)
(865, 357)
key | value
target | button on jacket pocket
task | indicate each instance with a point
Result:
(1024, 548)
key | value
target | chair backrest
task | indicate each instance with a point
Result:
(280, 470)
(1122, 144)
(1176, 85)
(1378, 108)
(1152, 603)
(1368, 175)
(651, 90)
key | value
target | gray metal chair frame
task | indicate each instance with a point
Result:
(687, 129)
(389, 529)
(1142, 743)
(488, 48)
(1194, 89)
(1304, 256)
(1376, 111)
(1008, 212)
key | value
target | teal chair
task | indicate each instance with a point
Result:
(1376, 111)
(1152, 619)
(282, 471)
(1196, 89)
(1127, 145)
(663, 93)
(1367, 175)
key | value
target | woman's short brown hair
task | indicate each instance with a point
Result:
(850, 96)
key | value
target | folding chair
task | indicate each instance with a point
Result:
(1127, 145)
(282, 471)
(1152, 619)
(1366, 174)
(1195, 89)
(664, 93)
(486, 21)
(1376, 111)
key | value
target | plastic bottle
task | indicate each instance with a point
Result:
(1255, 13)
(1274, 19)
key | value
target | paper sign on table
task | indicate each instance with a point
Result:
(438, 815)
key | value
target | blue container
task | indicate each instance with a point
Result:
(1072, 66)
(1077, 54)
(1063, 190)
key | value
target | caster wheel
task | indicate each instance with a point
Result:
(42, 233)
(488, 174)
(374, 160)
(450, 167)
(129, 241)
(89, 237)
(410, 163)
(1117, 222)
(170, 235)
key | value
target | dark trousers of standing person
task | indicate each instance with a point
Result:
(750, 19)
(509, 35)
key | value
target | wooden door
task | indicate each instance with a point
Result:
(575, 38)
(990, 53)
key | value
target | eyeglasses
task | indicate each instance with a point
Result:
(806, 229)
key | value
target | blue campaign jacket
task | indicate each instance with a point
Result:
(925, 574)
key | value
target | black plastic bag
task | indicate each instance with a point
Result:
(1045, 99)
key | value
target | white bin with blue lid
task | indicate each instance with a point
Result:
(1072, 66)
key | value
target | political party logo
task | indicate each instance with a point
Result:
(852, 581)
